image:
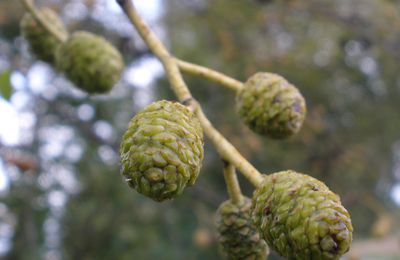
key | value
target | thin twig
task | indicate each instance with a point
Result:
(29, 6)
(23, 160)
(232, 183)
(210, 74)
(227, 151)
(223, 146)
(158, 48)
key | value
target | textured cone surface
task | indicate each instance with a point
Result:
(162, 150)
(237, 235)
(41, 42)
(271, 106)
(90, 62)
(301, 218)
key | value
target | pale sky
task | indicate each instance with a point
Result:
(141, 74)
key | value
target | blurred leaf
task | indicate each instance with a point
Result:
(5, 84)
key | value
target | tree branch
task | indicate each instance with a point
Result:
(232, 183)
(209, 74)
(227, 151)
(22, 160)
(223, 146)
(28, 5)
(157, 47)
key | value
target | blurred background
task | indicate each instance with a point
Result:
(61, 192)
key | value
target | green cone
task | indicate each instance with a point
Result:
(42, 43)
(301, 218)
(162, 150)
(90, 62)
(271, 106)
(237, 235)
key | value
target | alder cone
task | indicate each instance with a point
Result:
(300, 218)
(90, 62)
(162, 150)
(271, 106)
(42, 43)
(237, 235)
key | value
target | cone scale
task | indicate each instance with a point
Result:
(90, 62)
(300, 218)
(162, 150)
(237, 235)
(271, 106)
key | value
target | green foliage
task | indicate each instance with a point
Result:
(351, 124)
(5, 84)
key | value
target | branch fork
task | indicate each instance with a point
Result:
(173, 68)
